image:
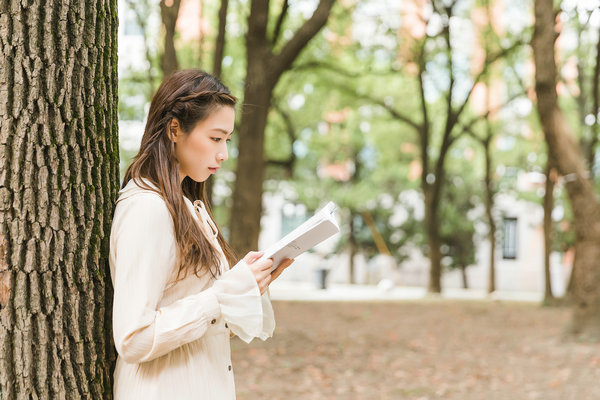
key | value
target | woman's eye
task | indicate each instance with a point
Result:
(216, 139)
(228, 140)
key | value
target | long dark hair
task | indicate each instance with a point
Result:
(188, 96)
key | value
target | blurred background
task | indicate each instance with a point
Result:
(390, 106)
(418, 119)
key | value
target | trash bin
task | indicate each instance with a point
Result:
(321, 278)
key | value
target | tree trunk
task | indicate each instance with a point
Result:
(489, 206)
(263, 70)
(169, 14)
(465, 280)
(217, 64)
(220, 44)
(548, 207)
(352, 249)
(58, 182)
(247, 199)
(569, 161)
(433, 240)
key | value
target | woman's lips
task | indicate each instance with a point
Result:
(213, 170)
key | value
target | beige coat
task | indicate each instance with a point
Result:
(172, 337)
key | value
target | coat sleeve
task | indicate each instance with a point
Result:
(247, 313)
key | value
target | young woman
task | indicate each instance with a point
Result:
(177, 294)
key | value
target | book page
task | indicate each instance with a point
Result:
(313, 231)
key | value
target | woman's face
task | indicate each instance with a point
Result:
(201, 152)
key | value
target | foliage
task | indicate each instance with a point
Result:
(329, 136)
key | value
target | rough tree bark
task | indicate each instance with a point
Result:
(263, 70)
(58, 180)
(570, 163)
(169, 11)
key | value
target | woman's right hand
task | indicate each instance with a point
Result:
(260, 269)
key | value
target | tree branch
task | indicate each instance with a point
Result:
(282, 61)
(393, 112)
(468, 127)
(282, 15)
(487, 62)
(288, 163)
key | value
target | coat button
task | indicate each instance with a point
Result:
(229, 368)
(213, 321)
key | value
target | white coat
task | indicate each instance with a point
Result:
(172, 336)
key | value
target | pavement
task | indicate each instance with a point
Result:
(305, 291)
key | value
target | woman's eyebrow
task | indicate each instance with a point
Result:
(221, 130)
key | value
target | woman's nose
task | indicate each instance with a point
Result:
(223, 155)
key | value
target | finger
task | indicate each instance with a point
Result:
(265, 265)
(253, 256)
(262, 275)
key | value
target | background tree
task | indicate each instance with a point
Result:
(457, 226)
(58, 182)
(431, 52)
(264, 68)
(569, 161)
(169, 11)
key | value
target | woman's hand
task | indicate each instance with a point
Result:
(260, 269)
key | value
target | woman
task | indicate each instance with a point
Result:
(176, 299)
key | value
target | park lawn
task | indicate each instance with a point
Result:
(429, 349)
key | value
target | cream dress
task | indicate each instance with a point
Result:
(172, 336)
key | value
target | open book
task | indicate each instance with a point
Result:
(313, 231)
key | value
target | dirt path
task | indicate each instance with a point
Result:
(417, 350)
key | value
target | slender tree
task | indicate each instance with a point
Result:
(169, 11)
(548, 208)
(220, 42)
(58, 182)
(264, 68)
(565, 151)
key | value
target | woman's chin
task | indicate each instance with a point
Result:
(200, 178)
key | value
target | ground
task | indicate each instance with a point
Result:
(427, 349)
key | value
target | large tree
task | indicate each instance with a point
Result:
(265, 65)
(569, 160)
(58, 181)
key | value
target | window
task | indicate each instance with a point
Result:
(292, 215)
(509, 243)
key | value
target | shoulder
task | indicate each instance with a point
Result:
(137, 203)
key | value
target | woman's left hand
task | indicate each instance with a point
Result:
(286, 262)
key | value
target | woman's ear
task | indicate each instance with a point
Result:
(174, 130)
